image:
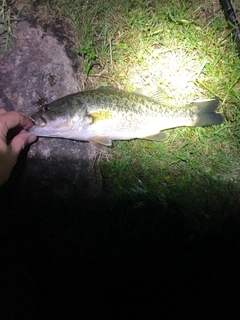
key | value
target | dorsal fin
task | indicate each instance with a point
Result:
(156, 93)
(108, 88)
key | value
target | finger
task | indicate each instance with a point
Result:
(13, 119)
(2, 111)
(20, 141)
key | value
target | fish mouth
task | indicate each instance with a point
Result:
(38, 120)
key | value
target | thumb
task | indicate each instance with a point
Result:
(20, 141)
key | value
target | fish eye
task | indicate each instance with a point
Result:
(46, 108)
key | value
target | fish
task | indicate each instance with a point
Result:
(105, 114)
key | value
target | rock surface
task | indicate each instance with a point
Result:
(37, 71)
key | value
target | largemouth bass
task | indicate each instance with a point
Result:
(105, 114)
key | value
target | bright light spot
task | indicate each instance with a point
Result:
(174, 70)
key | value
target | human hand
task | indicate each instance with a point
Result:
(13, 139)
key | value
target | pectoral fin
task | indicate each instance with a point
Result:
(158, 137)
(100, 143)
(98, 146)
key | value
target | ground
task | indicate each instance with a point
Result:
(66, 251)
(41, 67)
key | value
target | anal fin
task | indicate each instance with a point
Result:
(160, 136)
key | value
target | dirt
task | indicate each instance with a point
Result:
(41, 67)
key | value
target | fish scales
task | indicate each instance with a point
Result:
(132, 107)
(105, 114)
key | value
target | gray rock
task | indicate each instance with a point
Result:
(37, 71)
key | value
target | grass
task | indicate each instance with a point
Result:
(6, 26)
(186, 47)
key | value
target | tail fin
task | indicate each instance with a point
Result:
(206, 111)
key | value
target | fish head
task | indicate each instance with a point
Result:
(58, 118)
(41, 118)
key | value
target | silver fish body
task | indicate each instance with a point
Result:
(105, 114)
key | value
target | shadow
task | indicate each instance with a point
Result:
(68, 255)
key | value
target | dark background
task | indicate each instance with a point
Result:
(79, 257)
